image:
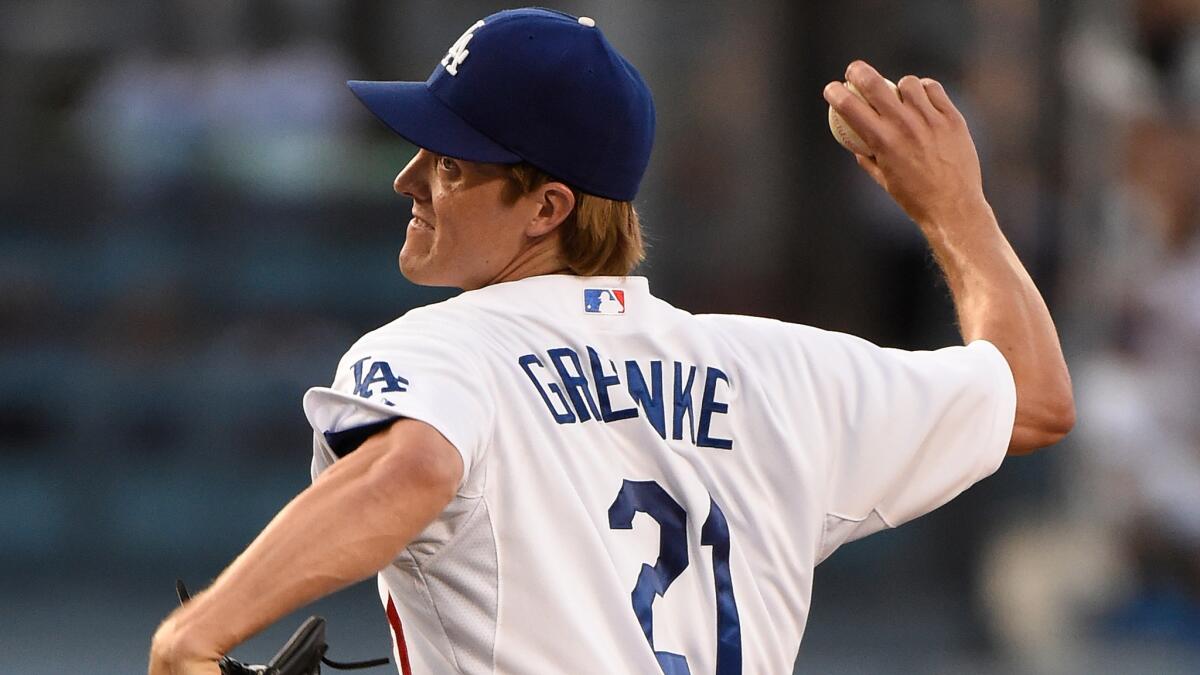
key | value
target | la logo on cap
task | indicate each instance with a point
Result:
(477, 103)
(458, 51)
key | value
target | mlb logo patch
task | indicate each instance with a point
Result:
(604, 300)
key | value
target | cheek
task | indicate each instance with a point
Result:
(475, 227)
(500, 237)
(482, 224)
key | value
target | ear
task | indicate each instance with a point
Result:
(555, 201)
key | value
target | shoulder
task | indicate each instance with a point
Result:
(763, 331)
(450, 327)
(427, 344)
(793, 348)
(453, 319)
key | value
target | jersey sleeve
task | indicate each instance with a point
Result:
(413, 372)
(904, 432)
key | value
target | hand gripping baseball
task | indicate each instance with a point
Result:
(302, 654)
(922, 152)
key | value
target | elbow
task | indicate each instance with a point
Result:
(1043, 422)
(1059, 420)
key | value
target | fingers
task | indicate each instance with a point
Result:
(858, 114)
(912, 91)
(873, 87)
(895, 118)
(884, 120)
(937, 96)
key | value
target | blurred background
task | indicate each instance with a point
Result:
(196, 220)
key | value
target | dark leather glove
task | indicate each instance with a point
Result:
(302, 654)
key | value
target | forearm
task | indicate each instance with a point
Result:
(996, 300)
(923, 155)
(348, 525)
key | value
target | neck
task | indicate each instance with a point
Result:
(543, 256)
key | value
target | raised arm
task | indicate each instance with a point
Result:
(924, 157)
(348, 525)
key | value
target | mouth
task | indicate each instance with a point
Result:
(419, 223)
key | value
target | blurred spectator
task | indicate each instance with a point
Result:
(1118, 561)
(263, 114)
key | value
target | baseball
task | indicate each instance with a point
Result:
(844, 133)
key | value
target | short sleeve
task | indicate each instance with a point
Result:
(414, 372)
(905, 432)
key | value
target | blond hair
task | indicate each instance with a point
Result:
(600, 237)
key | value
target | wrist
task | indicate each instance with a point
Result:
(968, 237)
(179, 640)
(968, 212)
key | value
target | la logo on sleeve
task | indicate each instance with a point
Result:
(379, 372)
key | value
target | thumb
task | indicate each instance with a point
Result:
(871, 167)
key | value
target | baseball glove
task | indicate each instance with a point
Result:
(302, 654)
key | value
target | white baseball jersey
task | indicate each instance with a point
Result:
(646, 490)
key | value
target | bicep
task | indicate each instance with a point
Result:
(392, 485)
(407, 456)
(418, 455)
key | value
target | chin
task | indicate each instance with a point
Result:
(419, 271)
(412, 270)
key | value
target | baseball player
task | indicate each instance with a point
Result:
(558, 472)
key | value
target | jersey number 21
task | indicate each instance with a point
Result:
(650, 498)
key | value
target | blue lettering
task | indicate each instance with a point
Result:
(564, 417)
(683, 403)
(603, 382)
(575, 383)
(652, 400)
(573, 396)
(708, 407)
(380, 371)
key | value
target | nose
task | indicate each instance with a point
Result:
(413, 179)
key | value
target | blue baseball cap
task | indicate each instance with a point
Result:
(532, 85)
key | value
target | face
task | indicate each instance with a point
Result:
(463, 232)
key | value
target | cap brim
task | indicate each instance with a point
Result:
(413, 112)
